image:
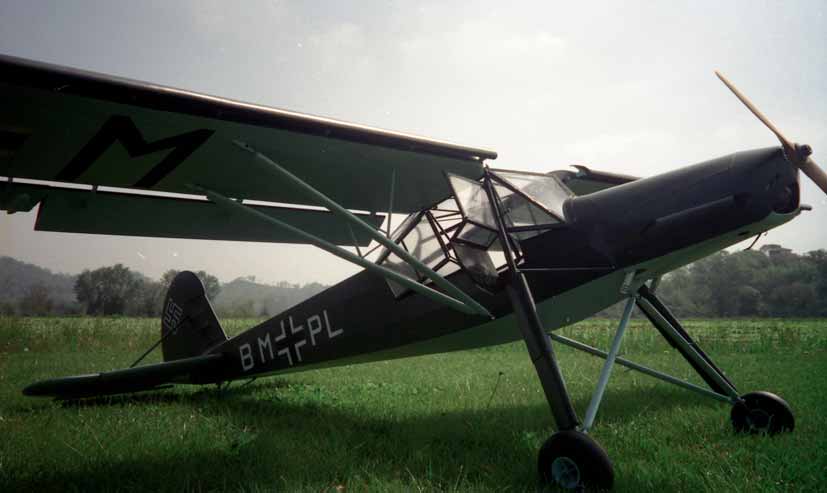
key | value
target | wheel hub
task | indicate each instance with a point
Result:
(758, 420)
(565, 472)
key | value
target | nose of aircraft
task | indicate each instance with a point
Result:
(772, 184)
(657, 215)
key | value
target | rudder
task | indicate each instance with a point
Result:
(189, 326)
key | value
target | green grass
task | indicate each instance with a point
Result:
(468, 421)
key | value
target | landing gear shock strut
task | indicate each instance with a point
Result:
(569, 458)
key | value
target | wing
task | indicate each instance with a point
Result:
(65, 126)
(585, 181)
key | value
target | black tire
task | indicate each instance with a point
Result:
(571, 460)
(762, 413)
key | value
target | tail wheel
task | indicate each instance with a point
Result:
(572, 460)
(762, 412)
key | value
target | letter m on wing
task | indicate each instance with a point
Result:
(121, 129)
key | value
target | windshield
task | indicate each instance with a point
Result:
(546, 190)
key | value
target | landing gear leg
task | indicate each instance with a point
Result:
(542, 354)
(755, 412)
(569, 457)
(677, 337)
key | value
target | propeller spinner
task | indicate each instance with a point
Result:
(798, 155)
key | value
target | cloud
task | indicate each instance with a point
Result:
(483, 47)
(220, 18)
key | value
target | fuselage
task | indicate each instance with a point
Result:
(647, 227)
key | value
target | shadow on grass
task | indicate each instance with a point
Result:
(318, 445)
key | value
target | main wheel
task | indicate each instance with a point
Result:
(762, 412)
(571, 459)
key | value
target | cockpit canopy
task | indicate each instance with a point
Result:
(461, 231)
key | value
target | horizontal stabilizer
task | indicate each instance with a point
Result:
(147, 377)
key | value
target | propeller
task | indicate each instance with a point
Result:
(797, 154)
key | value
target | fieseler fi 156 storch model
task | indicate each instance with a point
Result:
(485, 256)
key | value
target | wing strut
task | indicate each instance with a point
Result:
(231, 204)
(456, 298)
(390, 206)
(271, 166)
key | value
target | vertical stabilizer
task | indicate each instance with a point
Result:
(189, 326)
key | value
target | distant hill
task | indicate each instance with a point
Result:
(17, 277)
(244, 296)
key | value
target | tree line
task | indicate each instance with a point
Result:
(112, 290)
(769, 282)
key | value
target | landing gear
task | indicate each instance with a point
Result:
(572, 460)
(762, 413)
(756, 412)
(569, 457)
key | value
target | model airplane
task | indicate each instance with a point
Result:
(485, 256)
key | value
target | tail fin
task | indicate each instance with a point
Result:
(189, 326)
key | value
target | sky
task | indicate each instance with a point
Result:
(626, 87)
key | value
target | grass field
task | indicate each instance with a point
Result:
(469, 421)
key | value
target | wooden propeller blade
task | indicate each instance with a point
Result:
(804, 163)
(788, 146)
(811, 169)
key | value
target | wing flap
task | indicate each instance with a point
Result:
(130, 214)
